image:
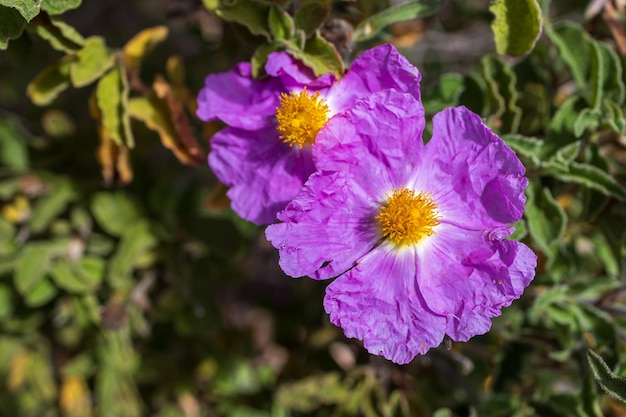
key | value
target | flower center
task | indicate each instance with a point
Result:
(407, 216)
(300, 116)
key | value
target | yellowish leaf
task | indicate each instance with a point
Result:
(141, 44)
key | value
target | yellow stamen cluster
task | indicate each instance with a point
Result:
(300, 116)
(407, 216)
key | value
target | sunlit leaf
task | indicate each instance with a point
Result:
(141, 44)
(92, 61)
(517, 25)
(50, 82)
(40, 294)
(60, 35)
(320, 55)
(155, 114)
(112, 99)
(27, 8)
(54, 7)
(412, 9)
(280, 23)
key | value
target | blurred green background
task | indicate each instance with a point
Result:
(129, 288)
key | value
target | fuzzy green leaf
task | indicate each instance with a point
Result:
(55, 7)
(614, 385)
(27, 8)
(574, 46)
(546, 220)
(13, 149)
(280, 23)
(319, 55)
(414, 9)
(592, 177)
(309, 17)
(253, 14)
(517, 25)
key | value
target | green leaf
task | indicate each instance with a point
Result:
(13, 146)
(319, 55)
(136, 241)
(592, 177)
(574, 46)
(48, 207)
(259, 58)
(61, 36)
(412, 9)
(40, 294)
(93, 60)
(609, 75)
(501, 81)
(517, 25)
(50, 82)
(55, 7)
(612, 384)
(27, 8)
(12, 25)
(280, 23)
(530, 150)
(141, 44)
(83, 276)
(31, 267)
(115, 212)
(6, 302)
(545, 219)
(253, 14)
(112, 98)
(588, 120)
(310, 16)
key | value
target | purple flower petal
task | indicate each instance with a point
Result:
(264, 173)
(378, 141)
(378, 302)
(239, 100)
(475, 178)
(376, 69)
(325, 229)
(467, 277)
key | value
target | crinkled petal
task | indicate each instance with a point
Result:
(467, 276)
(293, 74)
(239, 100)
(325, 229)
(377, 302)
(378, 141)
(477, 181)
(376, 69)
(263, 172)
